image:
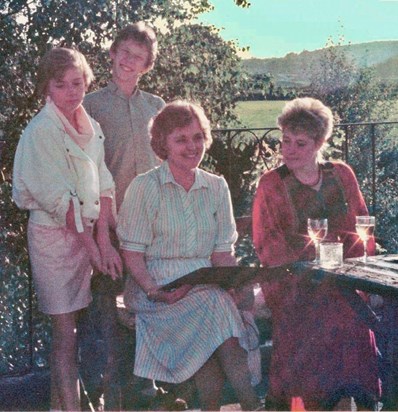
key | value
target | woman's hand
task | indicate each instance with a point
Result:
(169, 297)
(136, 266)
(92, 250)
(111, 261)
(86, 239)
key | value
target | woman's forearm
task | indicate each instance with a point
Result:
(136, 266)
(104, 225)
(106, 219)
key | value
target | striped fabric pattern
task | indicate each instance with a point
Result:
(152, 219)
(174, 341)
(190, 221)
(178, 231)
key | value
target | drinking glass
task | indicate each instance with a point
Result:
(317, 230)
(365, 227)
(331, 255)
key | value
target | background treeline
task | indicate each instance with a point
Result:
(294, 69)
(279, 78)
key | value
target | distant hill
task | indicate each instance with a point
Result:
(291, 70)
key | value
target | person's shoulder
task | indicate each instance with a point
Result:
(149, 178)
(274, 176)
(270, 183)
(342, 168)
(145, 186)
(151, 99)
(141, 184)
(345, 174)
(209, 175)
(41, 125)
(96, 95)
(212, 178)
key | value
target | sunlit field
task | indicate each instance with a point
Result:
(263, 113)
(259, 113)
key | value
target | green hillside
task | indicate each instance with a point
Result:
(388, 70)
(291, 70)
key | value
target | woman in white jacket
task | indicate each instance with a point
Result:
(61, 178)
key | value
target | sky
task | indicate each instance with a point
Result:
(273, 28)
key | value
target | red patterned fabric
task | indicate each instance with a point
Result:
(321, 348)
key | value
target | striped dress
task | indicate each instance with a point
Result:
(178, 231)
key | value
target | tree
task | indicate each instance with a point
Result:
(260, 86)
(355, 95)
(352, 92)
(196, 63)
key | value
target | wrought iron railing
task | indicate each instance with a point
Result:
(264, 150)
(375, 130)
(242, 156)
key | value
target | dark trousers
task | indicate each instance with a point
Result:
(106, 347)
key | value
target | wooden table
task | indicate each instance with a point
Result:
(379, 275)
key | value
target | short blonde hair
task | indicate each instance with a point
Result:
(307, 115)
(142, 34)
(179, 113)
(56, 62)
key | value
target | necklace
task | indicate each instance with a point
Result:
(315, 183)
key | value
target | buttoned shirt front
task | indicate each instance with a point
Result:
(124, 120)
(177, 230)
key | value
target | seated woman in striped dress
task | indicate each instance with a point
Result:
(175, 219)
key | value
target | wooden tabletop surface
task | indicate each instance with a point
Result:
(378, 275)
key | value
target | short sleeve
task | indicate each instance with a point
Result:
(137, 214)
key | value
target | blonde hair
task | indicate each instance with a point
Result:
(56, 62)
(179, 113)
(307, 115)
(142, 34)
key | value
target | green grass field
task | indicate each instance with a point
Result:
(263, 113)
(259, 113)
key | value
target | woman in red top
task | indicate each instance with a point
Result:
(323, 352)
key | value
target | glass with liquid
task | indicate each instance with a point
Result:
(365, 227)
(331, 254)
(317, 230)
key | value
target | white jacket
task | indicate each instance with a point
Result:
(50, 169)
